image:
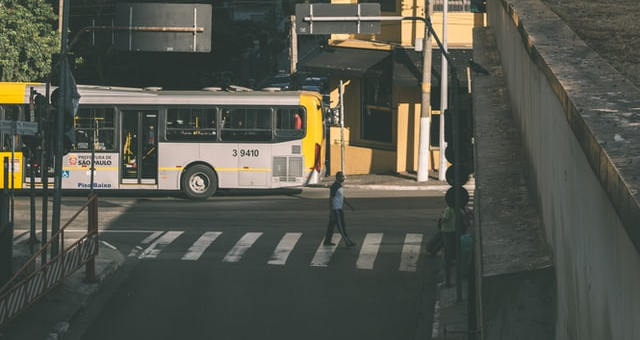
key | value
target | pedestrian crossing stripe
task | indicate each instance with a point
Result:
(156, 247)
(198, 248)
(284, 248)
(324, 252)
(369, 251)
(235, 254)
(152, 246)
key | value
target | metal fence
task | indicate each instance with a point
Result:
(32, 282)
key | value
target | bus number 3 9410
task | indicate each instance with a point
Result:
(246, 153)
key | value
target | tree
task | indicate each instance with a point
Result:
(28, 38)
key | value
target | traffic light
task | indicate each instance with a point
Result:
(478, 6)
(41, 109)
(459, 152)
(69, 135)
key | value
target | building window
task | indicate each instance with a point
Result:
(96, 121)
(385, 5)
(185, 124)
(246, 124)
(377, 113)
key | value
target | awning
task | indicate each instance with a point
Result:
(346, 61)
(407, 66)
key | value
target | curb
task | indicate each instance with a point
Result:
(435, 187)
(74, 284)
(397, 187)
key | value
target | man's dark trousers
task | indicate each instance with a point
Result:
(336, 217)
(449, 240)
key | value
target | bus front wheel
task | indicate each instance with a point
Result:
(199, 182)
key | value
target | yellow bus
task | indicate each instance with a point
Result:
(193, 141)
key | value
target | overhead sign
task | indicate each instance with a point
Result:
(337, 18)
(18, 127)
(163, 27)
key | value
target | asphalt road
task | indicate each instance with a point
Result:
(247, 266)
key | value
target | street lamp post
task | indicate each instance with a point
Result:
(425, 105)
(442, 168)
(63, 100)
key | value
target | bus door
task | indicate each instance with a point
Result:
(139, 161)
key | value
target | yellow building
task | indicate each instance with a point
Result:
(381, 74)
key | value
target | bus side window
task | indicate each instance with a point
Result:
(290, 123)
(97, 122)
(246, 124)
(191, 124)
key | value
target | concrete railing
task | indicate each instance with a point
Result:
(580, 125)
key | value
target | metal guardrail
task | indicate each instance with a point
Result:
(28, 285)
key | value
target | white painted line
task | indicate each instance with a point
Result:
(15, 237)
(197, 249)
(235, 254)
(369, 251)
(125, 231)
(21, 238)
(410, 252)
(154, 235)
(435, 328)
(284, 248)
(73, 230)
(109, 245)
(158, 245)
(323, 254)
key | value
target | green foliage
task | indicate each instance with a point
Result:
(28, 38)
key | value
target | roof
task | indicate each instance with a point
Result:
(407, 66)
(18, 93)
(346, 61)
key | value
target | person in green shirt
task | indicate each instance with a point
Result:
(448, 229)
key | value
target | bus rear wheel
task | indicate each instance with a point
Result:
(199, 182)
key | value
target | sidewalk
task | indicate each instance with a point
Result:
(50, 316)
(450, 316)
(393, 181)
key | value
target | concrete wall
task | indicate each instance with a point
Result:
(580, 124)
(515, 276)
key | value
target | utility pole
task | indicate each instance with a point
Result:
(444, 91)
(425, 107)
(341, 93)
(293, 46)
(63, 102)
(60, 10)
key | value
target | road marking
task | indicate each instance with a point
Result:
(21, 238)
(369, 251)
(235, 254)
(16, 237)
(323, 254)
(134, 252)
(109, 245)
(152, 237)
(75, 230)
(158, 245)
(284, 248)
(435, 327)
(410, 252)
(201, 245)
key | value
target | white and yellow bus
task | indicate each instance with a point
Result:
(193, 141)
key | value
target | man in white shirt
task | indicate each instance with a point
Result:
(336, 214)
